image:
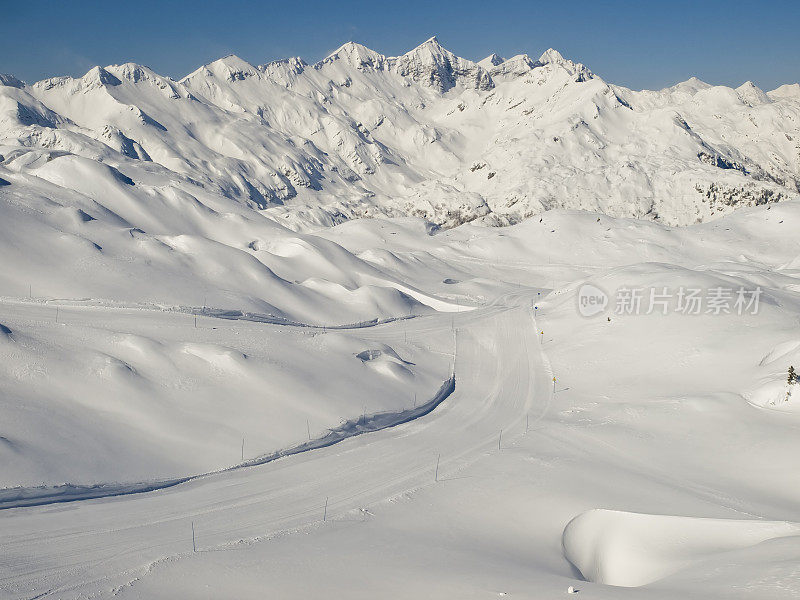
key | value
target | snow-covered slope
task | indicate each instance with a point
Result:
(426, 133)
(678, 427)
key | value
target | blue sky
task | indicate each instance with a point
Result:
(638, 44)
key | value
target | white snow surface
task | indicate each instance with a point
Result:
(660, 465)
(631, 549)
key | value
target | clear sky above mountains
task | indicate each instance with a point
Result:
(637, 44)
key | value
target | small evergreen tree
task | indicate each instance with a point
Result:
(792, 376)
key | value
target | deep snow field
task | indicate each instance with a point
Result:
(660, 463)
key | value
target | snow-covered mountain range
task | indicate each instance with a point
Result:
(427, 134)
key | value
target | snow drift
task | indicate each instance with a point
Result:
(632, 549)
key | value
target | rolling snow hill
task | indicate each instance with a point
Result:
(662, 459)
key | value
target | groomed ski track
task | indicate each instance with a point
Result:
(502, 378)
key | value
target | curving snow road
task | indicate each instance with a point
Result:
(95, 546)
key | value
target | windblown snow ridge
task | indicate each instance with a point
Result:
(238, 315)
(632, 549)
(367, 423)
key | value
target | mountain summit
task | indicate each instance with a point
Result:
(358, 56)
(432, 65)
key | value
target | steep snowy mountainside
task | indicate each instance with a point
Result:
(162, 242)
(430, 64)
(427, 134)
(741, 130)
(491, 61)
(751, 94)
(512, 67)
(357, 56)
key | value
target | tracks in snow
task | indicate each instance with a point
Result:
(92, 548)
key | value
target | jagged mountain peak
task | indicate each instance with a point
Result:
(131, 70)
(356, 55)
(142, 75)
(230, 68)
(692, 84)
(11, 81)
(491, 61)
(513, 67)
(135, 73)
(753, 95)
(284, 69)
(433, 65)
(232, 61)
(431, 41)
(697, 81)
(552, 56)
(97, 76)
(431, 48)
(292, 61)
